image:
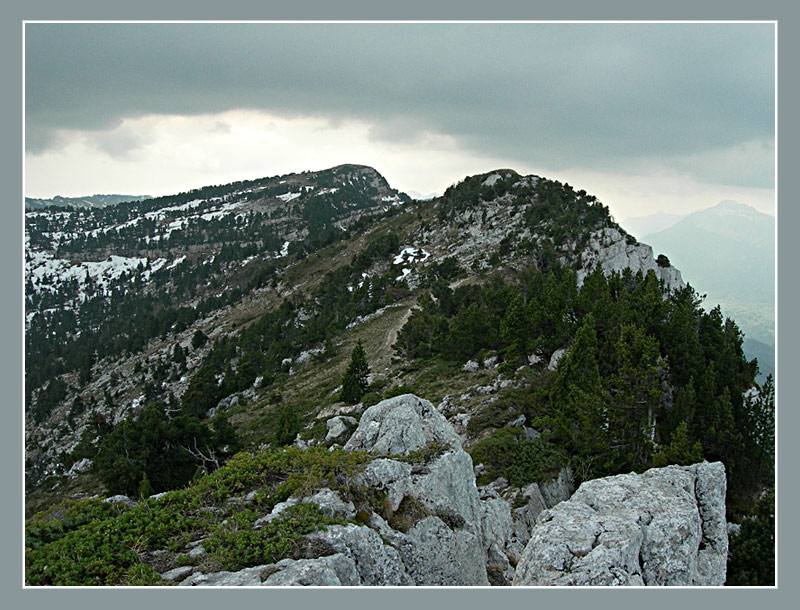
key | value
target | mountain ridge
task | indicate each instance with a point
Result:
(191, 329)
(282, 213)
(86, 201)
(473, 218)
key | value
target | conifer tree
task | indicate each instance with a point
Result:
(633, 397)
(199, 339)
(178, 355)
(469, 332)
(145, 489)
(682, 410)
(354, 380)
(679, 337)
(751, 558)
(579, 404)
(287, 427)
(514, 330)
(760, 422)
(680, 450)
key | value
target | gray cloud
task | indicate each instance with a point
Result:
(118, 143)
(562, 95)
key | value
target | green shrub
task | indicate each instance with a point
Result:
(319, 430)
(57, 521)
(397, 390)
(493, 415)
(105, 550)
(371, 398)
(508, 454)
(237, 545)
(96, 543)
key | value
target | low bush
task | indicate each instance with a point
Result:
(371, 398)
(237, 545)
(509, 454)
(97, 543)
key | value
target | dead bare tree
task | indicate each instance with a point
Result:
(204, 458)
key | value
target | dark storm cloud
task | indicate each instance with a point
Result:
(593, 95)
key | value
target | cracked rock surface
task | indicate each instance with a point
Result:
(400, 425)
(614, 252)
(663, 527)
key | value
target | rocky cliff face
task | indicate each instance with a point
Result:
(611, 249)
(436, 527)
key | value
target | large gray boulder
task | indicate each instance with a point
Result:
(496, 525)
(400, 425)
(391, 477)
(431, 511)
(377, 564)
(497, 529)
(525, 516)
(436, 555)
(328, 501)
(120, 499)
(338, 426)
(445, 484)
(663, 527)
(177, 574)
(330, 571)
(332, 504)
(248, 577)
(710, 491)
(447, 487)
(558, 489)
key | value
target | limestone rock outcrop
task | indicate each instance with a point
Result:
(431, 527)
(400, 425)
(663, 527)
(330, 571)
(615, 252)
(437, 554)
(537, 497)
(247, 577)
(376, 563)
(433, 509)
(338, 426)
(424, 522)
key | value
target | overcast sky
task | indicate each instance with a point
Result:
(648, 117)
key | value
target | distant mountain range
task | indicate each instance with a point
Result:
(90, 201)
(420, 197)
(728, 253)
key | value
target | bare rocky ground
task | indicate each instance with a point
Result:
(436, 527)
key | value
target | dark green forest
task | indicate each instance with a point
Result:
(626, 338)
